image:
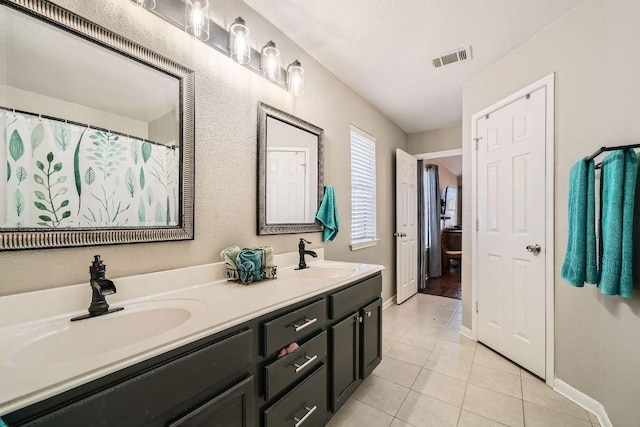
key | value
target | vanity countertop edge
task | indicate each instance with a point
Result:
(226, 304)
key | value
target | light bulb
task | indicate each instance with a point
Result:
(296, 78)
(270, 62)
(240, 42)
(197, 18)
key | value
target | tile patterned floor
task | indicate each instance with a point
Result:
(432, 376)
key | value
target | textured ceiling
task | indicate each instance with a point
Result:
(383, 49)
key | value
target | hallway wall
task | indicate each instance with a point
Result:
(448, 138)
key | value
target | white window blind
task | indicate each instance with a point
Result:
(363, 189)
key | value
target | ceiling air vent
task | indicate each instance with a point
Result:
(458, 55)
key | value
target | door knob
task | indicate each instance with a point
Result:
(534, 249)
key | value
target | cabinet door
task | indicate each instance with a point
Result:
(371, 337)
(232, 408)
(343, 337)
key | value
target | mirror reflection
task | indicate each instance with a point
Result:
(292, 192)
(290, 173)
(96, 134)
(89, 138)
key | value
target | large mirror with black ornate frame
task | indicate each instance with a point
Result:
(290, 173)
(96, 134)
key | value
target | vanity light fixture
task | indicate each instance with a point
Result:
(147, 4)
(240, 42)
(196, 18)
(296, 78)
(270, 62)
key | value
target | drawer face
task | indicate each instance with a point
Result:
(292, 327)
(341, 303)
(143, 398)
(304, 406)
(293, 366)
(232, 408)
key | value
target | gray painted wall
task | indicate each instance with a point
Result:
(449, 138)
(597, 91)
(227, 97)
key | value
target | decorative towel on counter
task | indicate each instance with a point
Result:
(229, 256)
(267, 261)
(249, 265)
(580, 262)
(328, 214)
(618, 176)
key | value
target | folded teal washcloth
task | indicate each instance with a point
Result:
(249, 266)
(619, 173)
(328, 214)
(580, 260)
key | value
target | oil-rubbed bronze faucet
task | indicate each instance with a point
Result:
(302, 251)
(100, 286)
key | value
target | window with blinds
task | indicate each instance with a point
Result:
(363, 189)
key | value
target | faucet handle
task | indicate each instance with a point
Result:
(304, 241)
(97, 266)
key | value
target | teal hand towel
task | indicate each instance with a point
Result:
(249, 265)
(619, 173)
(328, 214)
(580, 259)
(2, 423)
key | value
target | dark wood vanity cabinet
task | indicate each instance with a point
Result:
(234, 378)
(355, 341)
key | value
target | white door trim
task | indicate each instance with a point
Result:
(548, 83)
(439, 154)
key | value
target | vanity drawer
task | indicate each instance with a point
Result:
(304, 406)
(293, 366)
(292, 327)
(343, 302)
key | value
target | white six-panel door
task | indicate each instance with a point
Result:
(511, 222)
(406, 225)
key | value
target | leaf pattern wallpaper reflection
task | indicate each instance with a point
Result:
(62, 175)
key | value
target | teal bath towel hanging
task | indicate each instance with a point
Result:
(619, 173)
(580, 263)
(328, 214)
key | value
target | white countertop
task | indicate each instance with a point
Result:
(30, 374)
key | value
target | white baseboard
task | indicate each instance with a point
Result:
(468, 333)
(388, 303)
(587, 402)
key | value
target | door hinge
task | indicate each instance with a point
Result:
(477, 225)
(476, 306)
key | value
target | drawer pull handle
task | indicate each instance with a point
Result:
(305, 364)
(310, 411)
(306, 323)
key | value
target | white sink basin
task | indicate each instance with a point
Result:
(326, 271)
(65, 341)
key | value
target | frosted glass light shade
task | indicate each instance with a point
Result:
(270, 62)
(240, 42)
(296, 78)
(196, 18)
(147, 4)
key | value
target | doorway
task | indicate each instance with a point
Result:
(512, 208)
(441, 223)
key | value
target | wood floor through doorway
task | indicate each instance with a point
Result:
(448, 285)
